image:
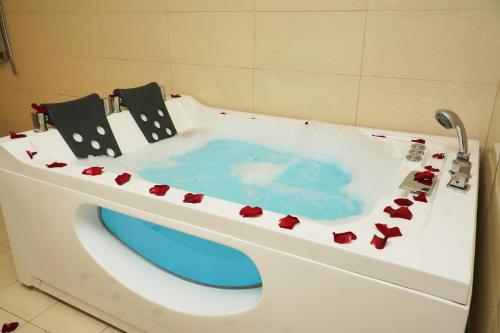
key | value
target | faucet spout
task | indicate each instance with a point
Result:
(461, 166)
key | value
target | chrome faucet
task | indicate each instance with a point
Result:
(449, 119)
(461, 166)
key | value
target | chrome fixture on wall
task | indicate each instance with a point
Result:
(461, 166)
(5, 49)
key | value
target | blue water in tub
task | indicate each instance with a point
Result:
(241, 172)
(255, 175)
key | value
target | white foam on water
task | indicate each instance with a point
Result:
(258, 173)
(372, 163)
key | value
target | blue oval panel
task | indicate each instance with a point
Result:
(189, 257)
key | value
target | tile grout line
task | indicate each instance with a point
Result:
(14, 314)
(47, 309)
(259, 68)
(260, 11)
(495, 102)
(172, 90)
(361, 67)
(266, 69)
(10, 284)
(253, 69)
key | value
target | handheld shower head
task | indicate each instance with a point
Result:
(449, 119)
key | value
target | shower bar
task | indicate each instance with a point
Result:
(5, 49)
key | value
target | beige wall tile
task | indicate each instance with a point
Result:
(409, 105)
(68, 5)
(229, 88)
(128, 74)
(24, 31)
(122, 74)
(435, 45)
(135, 36)
(21, 5)
(223, 39)
(483, 304)
(158, 72)
(62, 318)
(132, 5)
(433, 4)
(75, 76)
(15, 115)
(74, 34)
(212, 5)
(494, 131)
(120, 38)
(300, 5)
(494, 220)
(326, 97)
(329, 42)
(32, 72)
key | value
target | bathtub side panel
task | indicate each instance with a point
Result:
(298, 295)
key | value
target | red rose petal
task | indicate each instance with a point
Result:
(378, 242)
(193, 198)
(424, 175)
(439, 156)
(56, 165)
(159, 190)
(420, 197)
(123, 178)
(14, 135)
(379, 136)
(288, 222)
(421, 141)
(402, 212)
(389, 210)
(403, 202)
(175, 95)
(39, 108)
(93, 171)
(222, 113)
(344, 237)
(248, 211)
(9, 327)
(31, 153)
(431, 168)
(388, 232)
(426, 182)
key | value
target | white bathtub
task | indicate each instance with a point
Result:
(420, 282)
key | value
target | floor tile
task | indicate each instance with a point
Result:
(3, 233)
(111, 329)
(28, 328)
(6, 317)
(7, 270)
(62, 318)
(25, 302)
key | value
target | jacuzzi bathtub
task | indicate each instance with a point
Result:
(288, 280)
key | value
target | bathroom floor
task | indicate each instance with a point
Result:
(35, 311)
